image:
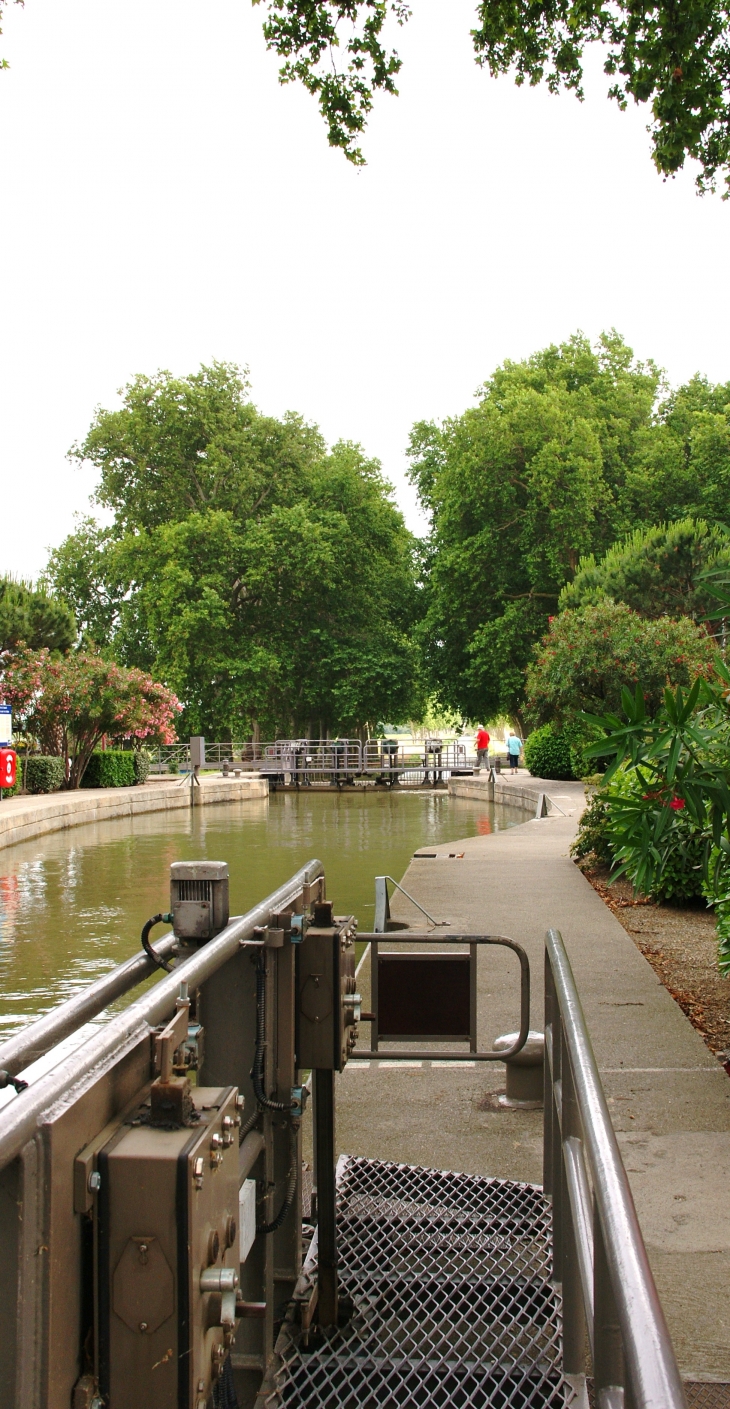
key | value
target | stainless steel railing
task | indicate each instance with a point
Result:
(308, 759)
(21, 1117)
(599, 1258)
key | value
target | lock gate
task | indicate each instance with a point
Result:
(156, 1250)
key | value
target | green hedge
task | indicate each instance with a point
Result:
(114, 768)
(43, 773)
(142, 765)
(548, 753)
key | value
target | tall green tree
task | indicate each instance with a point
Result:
(268, 581)
(518, 489)
(565, 455)
(682, 464)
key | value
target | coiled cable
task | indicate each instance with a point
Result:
(291, 1186)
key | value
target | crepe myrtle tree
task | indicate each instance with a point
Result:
(70, 703)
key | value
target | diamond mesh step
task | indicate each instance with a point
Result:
(449, 1277)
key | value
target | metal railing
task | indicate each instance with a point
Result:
(610, 1306)
(338, 760)
(599, 1258)
(21, 1117)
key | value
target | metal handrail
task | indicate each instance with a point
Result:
(375, 938)
(374, 757)
(19, 1119)
(599, 1256)
(33, 1042)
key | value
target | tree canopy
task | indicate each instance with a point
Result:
(589, 657)
(268, 581)
(657, 571)
(674, 57)
(564, 454)
(34, 617)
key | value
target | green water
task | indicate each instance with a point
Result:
(72, 904)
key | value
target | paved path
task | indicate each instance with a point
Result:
(669, 1097)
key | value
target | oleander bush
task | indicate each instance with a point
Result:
(42, 773)
(682, 846)
(115, 768)
(548, 753)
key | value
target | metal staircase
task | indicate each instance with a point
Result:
(447, 1277)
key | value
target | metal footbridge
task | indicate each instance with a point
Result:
(160, 1250)
(332, 762)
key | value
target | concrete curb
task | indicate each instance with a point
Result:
(23, 818)
(519, 792)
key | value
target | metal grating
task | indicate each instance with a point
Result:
(449, 1276)
(707, 1394)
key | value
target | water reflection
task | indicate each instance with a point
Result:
(72, 904)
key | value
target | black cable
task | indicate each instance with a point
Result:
(7, 1080)
(290, 1188)
(243, 1132)
(257, 1075)
(149, 951)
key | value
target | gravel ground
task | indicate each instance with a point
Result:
(679, 943)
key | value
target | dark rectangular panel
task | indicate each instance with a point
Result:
(423, 995)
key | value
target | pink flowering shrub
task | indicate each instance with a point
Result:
(70, 703)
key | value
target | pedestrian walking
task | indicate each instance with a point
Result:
(482, 743)
(514, 748)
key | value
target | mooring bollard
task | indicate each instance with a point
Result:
(524, 1071)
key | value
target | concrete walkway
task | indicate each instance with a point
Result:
(23, 818)
(669, 1097)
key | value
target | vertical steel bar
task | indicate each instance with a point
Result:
(269, 1151)
(288, 1238)
(549, 1113)
(374, 994)
(474, 1044)
(324, 1137)
(608, 1356)
(574, 1328)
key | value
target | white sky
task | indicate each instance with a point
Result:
(164, 202)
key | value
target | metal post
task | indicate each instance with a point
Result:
(608, 1357)
(473, 1044)
(574, 1327)
(324, 1137)
(374, 1034)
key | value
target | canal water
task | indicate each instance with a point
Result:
(72, 904)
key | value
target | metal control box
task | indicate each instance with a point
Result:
(199, 899)
(327, 1006)
(168, 1256)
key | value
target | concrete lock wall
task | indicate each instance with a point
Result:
(23, 818)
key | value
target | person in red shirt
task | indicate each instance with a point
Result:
(482, 743)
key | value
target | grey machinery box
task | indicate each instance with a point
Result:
(327, 1006)
(168, 1255)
